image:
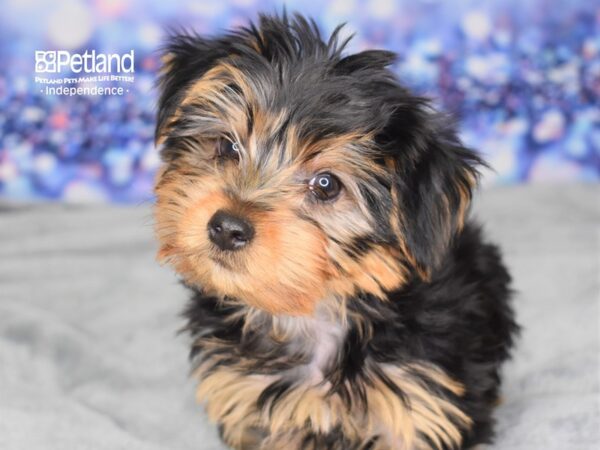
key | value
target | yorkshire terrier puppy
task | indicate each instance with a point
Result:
(317, 210)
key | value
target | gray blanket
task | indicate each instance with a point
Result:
(90, 357)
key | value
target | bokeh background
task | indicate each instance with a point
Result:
(523, 77)
(88, 354)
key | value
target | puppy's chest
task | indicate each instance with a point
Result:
(301, 384)
(291, 351)
(318, 343)
(279, 375)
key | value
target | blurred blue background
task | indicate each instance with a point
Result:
(522, 76)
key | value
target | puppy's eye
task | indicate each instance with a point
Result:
(228, 150)
(325, 186)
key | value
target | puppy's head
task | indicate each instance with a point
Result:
(292, 173)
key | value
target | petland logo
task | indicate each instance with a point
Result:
(76, 74)
(88, 62)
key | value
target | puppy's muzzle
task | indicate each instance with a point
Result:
(229, 232)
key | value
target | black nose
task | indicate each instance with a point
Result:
(229, 232)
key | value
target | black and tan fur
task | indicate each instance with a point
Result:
(377, 319)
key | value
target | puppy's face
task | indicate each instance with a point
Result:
(292, 174)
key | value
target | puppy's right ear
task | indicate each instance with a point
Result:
(185, 59)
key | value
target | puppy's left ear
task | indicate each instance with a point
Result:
(434, 176)
(185, 59)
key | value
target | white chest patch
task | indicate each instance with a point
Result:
(319, 337)
(326, 339)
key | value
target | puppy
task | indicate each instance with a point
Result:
(316, 209)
